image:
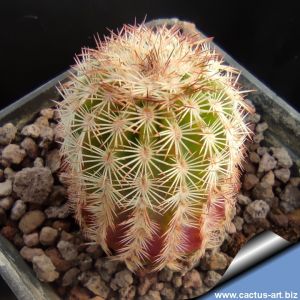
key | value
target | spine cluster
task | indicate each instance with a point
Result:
(154, 132)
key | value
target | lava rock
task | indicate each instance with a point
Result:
(243, 200)
(33, 185)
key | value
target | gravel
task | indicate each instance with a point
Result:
(33, 185)
(31, 221)
(35, 216)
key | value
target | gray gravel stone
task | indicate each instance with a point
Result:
(238, 222)
(122, 279)
(290, 198)
(256, 210)
(59, 212)
(243, 200)
(5, 188)
(6, 203)
(261, 127)
(267, 163)
(31, 221)
(262, 191)
(283, 174)
(18, 210)
(44, 268)
(212, 278)
(7, 133)
(283, 157)
(96, 285)
(70, 277)
(67, 250)
(33, 185)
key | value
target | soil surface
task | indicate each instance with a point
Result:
(34, 216)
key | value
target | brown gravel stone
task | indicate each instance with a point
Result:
(79, 293)
(31, 240)
(254, 157)
(165, 275)
(257, 209)
(151, 295)
(48, 236)
(59, 212)
(31, 221)
(53, 160)
(29, 253)
(60, 264)
(192, 279)
(250, 180)
(212, 278)
(7, 133)
(70, 277)
(215, 261)
(96, 285)
(278, 218)
(12, 153)
(262, 191)
(6, 202)
(31, 148)
(2, 216)
(267, 163)
(168, 292)
(268, 178)
(31, 130)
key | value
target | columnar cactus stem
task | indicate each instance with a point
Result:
(154, 132)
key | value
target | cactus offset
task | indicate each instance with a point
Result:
(154, 132)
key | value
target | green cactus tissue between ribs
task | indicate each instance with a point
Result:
(154, 136)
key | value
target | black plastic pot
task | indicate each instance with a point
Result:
(284, 131)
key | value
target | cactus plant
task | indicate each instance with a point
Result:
(154, 130)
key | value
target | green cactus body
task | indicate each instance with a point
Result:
(153, 127)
